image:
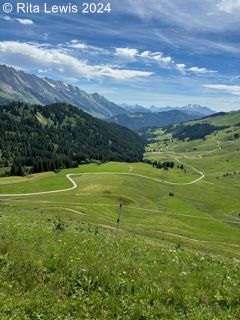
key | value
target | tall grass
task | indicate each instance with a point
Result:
(64, 274)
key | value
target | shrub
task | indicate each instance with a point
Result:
(59, 225)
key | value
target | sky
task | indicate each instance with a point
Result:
(155, 52)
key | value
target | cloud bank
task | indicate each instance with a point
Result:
(62, 60)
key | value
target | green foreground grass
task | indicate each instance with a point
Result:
(84, 273)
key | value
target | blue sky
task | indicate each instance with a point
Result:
(161, 52)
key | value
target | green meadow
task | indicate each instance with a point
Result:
(176, 254)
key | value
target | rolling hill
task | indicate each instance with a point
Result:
(20, 86)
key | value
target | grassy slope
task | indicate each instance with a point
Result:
(177, 261)
(81, 273)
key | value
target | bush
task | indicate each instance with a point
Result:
(58, 225)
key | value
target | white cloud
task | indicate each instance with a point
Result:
(229, 6)
(200, 70)
(145, 54)
(132, 54)
(161, 59)
(62, 59)
(21, 21)
(157, 56)
(47, 57)
(235, 90)
(122, 74)
(82, 46)
(7, 18)
(181, 67)
(126, 52)
(24, 21)
(195, 70)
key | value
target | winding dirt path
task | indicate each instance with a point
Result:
(74, 184)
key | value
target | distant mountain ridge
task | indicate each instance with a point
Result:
(141, 120)
(189, 108)
(134, 108)
(20, 86)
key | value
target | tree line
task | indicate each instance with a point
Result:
(160, 165)
(193, 132)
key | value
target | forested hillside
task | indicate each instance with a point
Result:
(60, 136)
(195, 130)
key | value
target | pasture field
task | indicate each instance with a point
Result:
(176, 255)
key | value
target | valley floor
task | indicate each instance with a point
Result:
(176, 255)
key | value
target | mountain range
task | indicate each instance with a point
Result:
(141, 120)
(16, 85)
(19, 86)
(189, 108)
